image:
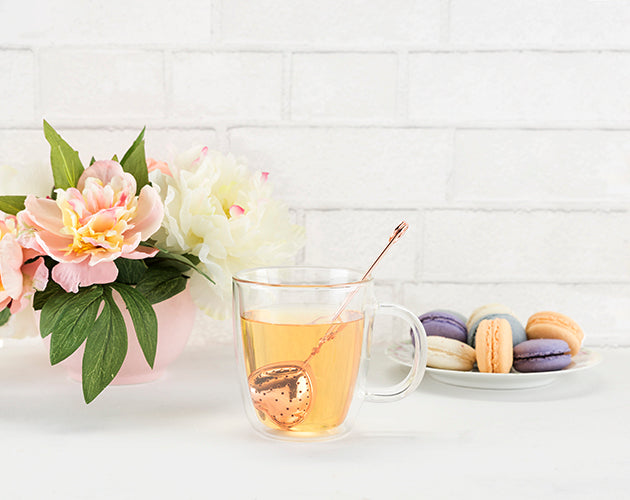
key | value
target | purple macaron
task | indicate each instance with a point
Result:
(541, 355)
(444, 324)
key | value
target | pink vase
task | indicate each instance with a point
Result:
(176, 317)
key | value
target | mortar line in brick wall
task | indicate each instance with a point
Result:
(108, 128)
(523, 281)
(542, 126)
(406, 283)
(175, 123)
(532, 206)
(569, 207)
(310, 48)
(104, 49)
(13, 46)
(441, 125)
(502, 49)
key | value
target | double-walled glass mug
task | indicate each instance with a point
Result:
(302, 338)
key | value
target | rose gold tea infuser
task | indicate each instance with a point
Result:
(284, 391)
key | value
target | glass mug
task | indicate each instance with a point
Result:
(302, 337)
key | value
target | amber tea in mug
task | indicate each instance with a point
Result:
(289, 333)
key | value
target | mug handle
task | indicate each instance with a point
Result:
(419, 363)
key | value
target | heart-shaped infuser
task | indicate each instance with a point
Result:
(283, 391)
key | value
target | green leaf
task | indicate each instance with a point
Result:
(5, 316)
(92, 160)
(11, 205)
(167, 264)
(115, 158)
(192, 258)
(105, 349)
(136, 144)
(130, 271)
(144, 319)
(183, 259)
(65, 162)
(50, 312)
(41, 297)
(135, 162)
(75, 319)
(161, 283)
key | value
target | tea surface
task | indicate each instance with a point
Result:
(289, 335)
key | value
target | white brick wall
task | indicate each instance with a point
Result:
(353, 238)
(79, 84)
(17, 86)
(519, 87)
(556, 23)
(324, 22)
(499, 129)
(230, 84)
(344, 86)
(334, 167)
(90, 22)
(540, 246)
(541, 165)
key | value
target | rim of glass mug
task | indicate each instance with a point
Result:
(242, 277)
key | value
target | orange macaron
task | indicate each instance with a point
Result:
(493, 346)
(553, 325)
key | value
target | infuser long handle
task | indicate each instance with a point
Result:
(400, 230)
(398, 233)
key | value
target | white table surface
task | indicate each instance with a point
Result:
(186, 436)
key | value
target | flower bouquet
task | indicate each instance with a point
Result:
(138, 229)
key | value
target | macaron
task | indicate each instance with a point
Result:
(444, 323)
(478, 314)
(541, 355)
(449, 354)
(518, 330)
(494, 346)
(553, 325)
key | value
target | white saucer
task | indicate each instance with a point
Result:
(402, 352)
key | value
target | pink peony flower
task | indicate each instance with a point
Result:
(162, 166)
(86, 228)
(18, 279)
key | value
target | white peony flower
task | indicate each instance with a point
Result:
(24, 180)
(220, 211)
(21, 325)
